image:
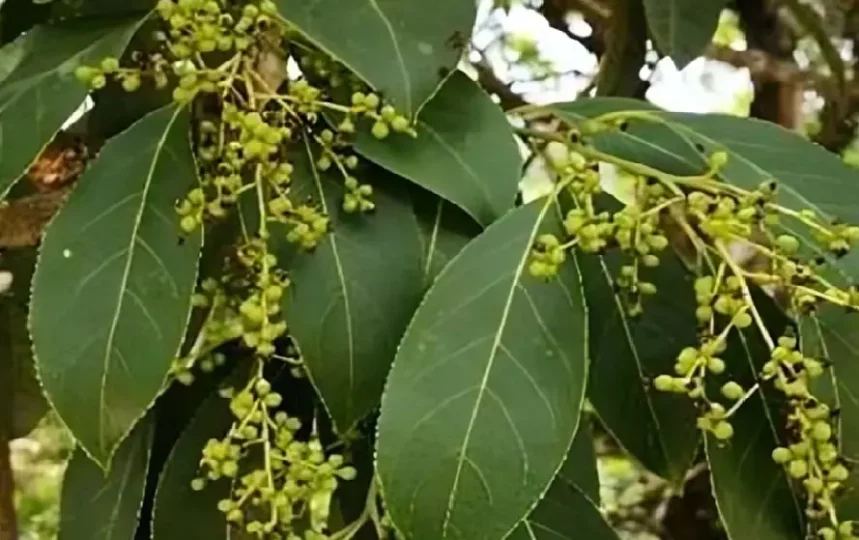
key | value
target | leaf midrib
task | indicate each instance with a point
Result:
(407, 85)
(126, 274)
(627, 332)
(338, 263)
(496, 345)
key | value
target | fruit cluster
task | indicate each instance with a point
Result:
(293, 482)
(708, 221)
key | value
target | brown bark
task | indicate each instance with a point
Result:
(776, 101)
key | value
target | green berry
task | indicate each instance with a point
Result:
(98, 82)
(782, 455)
(388, 113)
(742, 320)
(821, 431)
(371, 101)
(647, 288)
(787, 243)
(813, 485)
(400, 124)
(198, 484)
(658, 242)
(230, 469)
(109, 65)
(347, 473)
(262, 387)
(797, 468)
(85, 74)
(664, 383)
(826, 533)
(732, 390)
(688, 355)
(188, 224)
(381, 130)
(718, 159)
(716, 365)
(273, 400)
(839, 473)
(131, 83)
(723, 431)
(704, 314)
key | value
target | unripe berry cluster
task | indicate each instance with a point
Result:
(96, 78)
(205, 26)
(710, 221)
(547, 256)
(289, 494)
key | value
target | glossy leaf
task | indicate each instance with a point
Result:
(402, 48)
(112, 290)
(445, 231)
(682, 29)
(483, 401)
(104, 505)
(41, 92)
(656, 428)
(464, 152)
(753, 493)
(353, 297)
(179, 511)
(569, 510)
(580, 467)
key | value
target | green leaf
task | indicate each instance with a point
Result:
(41, 92)
(753, 493)
(484, 398)
(402, 48)
(656, 428)
(464, 152)
(88, 8)
(17, 368)
(353, 297)
(682, 29)
(99, 505)
(580, 467)
(179, 511)
(445, 231)
(569, 510)
(112, 290)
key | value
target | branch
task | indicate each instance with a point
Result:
(487, 78)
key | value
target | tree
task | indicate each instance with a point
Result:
(287, 284)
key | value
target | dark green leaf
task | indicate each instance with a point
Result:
(402, 48)
(753, 493)
(86, 8)
(569, 510)
(352, 298)
(17, 369)
(484, 397)
(179, 511)
(42, 92)
(445, 231)
(682, 29)
(104, 506)
(580, 467)
(112, 290)
(465, 151)
(19, 16)
(657, 428)
(834, 334)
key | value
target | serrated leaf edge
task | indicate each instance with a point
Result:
(105, 466)
(550, 199)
